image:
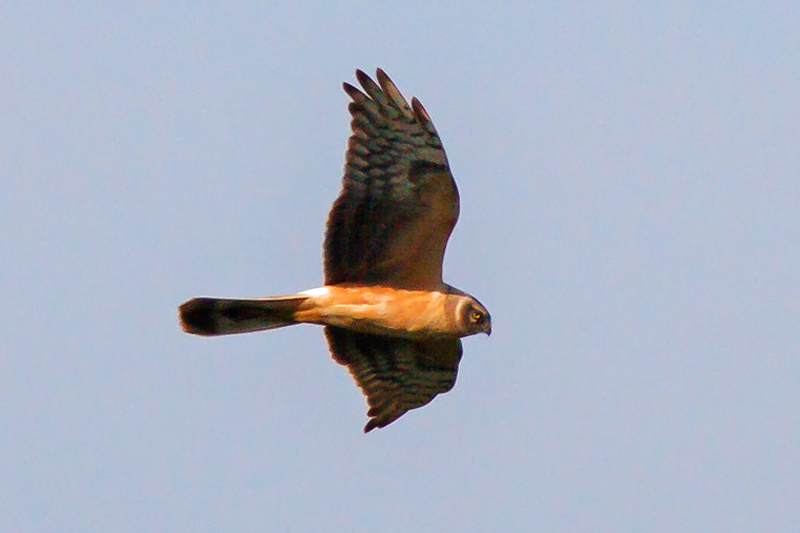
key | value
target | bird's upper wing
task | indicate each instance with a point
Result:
(395, 374)
(399, 202)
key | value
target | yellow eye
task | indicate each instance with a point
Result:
(475, 316)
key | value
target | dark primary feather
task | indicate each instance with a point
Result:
(399, 202)
(395, 374)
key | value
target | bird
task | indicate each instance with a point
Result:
(387, 314)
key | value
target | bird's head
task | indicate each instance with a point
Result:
(474, 317)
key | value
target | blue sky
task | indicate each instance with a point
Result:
(630, 188)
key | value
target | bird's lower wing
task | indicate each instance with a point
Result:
(395, 374)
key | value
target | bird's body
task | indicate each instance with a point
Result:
(388, 315)
(366, 309)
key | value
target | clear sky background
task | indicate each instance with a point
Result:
(629, 176)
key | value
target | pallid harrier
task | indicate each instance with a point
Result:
(388, 315)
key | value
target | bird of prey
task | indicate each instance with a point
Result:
(388, 315)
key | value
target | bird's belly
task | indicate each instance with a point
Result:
(380, 311)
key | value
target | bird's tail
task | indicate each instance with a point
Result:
(218, 316)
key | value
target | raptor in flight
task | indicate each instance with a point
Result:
(388, 315)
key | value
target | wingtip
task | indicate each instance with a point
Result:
(362, 77)
(419, 110)
(352, 91)
(382, 76)
(372, 424)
